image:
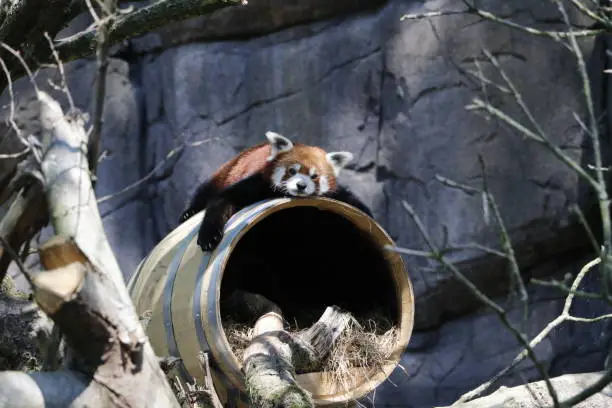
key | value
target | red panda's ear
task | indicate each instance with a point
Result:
(278, 144)
(339, 160)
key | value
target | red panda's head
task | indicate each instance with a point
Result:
(302, 170)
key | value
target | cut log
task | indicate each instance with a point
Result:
(84, 293)
(274, 356)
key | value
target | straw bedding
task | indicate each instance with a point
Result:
(363, 347)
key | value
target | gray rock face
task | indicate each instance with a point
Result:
(393, 93)
(441, 365)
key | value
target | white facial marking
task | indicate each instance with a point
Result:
(278, 144)
(323, 185)
(339, 160)
(277, 176)
(300, 185)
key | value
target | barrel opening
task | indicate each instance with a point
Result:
(304, 259)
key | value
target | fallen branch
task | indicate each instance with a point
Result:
(82, 290)
(274, 357)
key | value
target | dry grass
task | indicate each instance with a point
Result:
(239, 337)
(359, 351)
(362, 348)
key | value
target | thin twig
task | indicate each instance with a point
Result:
(581, 217)
(505, 241)
(7, 73)
(100, 86)
(602, 193)
(590, 13)
(25, 66)
(537, 339)
(559, 285)
(491, 203)
(60, 68)
(478, 104)
(17, 155)
(147, 177)
(430, 14)
(501, 313)
(486, 15)
(151, 174)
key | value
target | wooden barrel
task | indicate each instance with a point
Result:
(179, 286)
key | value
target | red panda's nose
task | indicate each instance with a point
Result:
(300, 185)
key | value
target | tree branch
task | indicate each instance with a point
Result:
(486, 15)
(100, 87)
(138, 22)
(82, 290)
(501, 313)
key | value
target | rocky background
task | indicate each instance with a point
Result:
(350, 75)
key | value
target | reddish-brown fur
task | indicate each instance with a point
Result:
(249, 177)
(254, 160)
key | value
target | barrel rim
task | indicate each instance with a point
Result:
(220, 256)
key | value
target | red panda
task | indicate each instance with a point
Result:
(278, 168)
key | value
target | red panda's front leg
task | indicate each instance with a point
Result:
(199, 200)
(217, 214)
(226, 203)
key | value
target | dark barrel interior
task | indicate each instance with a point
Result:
(305, 259)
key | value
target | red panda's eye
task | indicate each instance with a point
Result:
(314, 176)
(292, 171)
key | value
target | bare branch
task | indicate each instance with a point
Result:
(602, 193)
(501, 313)
(177, 151)
(430, 14)
(490, 202)
(109, 7)
(486, 15)
(478, 104)
(559, 285)
(538, 338)
(60, 68)
(138, 22)
(23, 63)
(576, 209)
(82, 289)
(568, 38)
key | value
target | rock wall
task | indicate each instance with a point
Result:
(394, 93)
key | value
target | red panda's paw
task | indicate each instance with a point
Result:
(186, 215)
(210, 235)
